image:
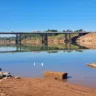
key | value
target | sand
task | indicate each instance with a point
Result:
(42, 87)
(88, 41)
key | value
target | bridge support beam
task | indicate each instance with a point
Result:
(45, 38)
(20, 38)
(66, 37)
(17, 38)
(69, 37)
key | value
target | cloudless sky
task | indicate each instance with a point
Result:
(29, 15)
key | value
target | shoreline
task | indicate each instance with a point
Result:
(42, 87)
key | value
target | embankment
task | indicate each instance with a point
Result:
(32, 42)
(37, 41)
(88, 40)
(7, 42)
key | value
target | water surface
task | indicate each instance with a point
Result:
(34, 63)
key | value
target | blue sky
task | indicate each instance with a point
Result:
(29, 15)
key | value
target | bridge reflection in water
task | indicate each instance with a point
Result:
(67, 47)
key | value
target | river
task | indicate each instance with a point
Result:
(24, 62)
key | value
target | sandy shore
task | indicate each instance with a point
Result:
(42, 87)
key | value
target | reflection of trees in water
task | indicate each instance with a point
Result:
(66, 47)
(53, 51)
(54, 48)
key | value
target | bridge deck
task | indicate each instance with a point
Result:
(42, 32)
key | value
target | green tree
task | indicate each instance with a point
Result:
(80, 30)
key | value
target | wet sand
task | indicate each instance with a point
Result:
(42, 87)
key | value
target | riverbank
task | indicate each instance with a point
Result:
(42, 87)
(7, 42)
(88, 41)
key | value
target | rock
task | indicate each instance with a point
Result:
(1, 75)
(6, 74)
(9, 76)
(56, 75)
(92, 65)
(17, 77)
(5, 78)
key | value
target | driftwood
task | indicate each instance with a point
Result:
(56, 75)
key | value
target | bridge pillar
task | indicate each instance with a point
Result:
(17, 38)
(70, 37)
(45, 38)
(66, 46)
(20, 38)
(70, 46)
(66, 38)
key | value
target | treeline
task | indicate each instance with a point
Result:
(54, 30)
(68, 30)
(80, 30)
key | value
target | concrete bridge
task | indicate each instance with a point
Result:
(44, 35)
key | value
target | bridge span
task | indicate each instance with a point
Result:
(44, 35)
(42, 32)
